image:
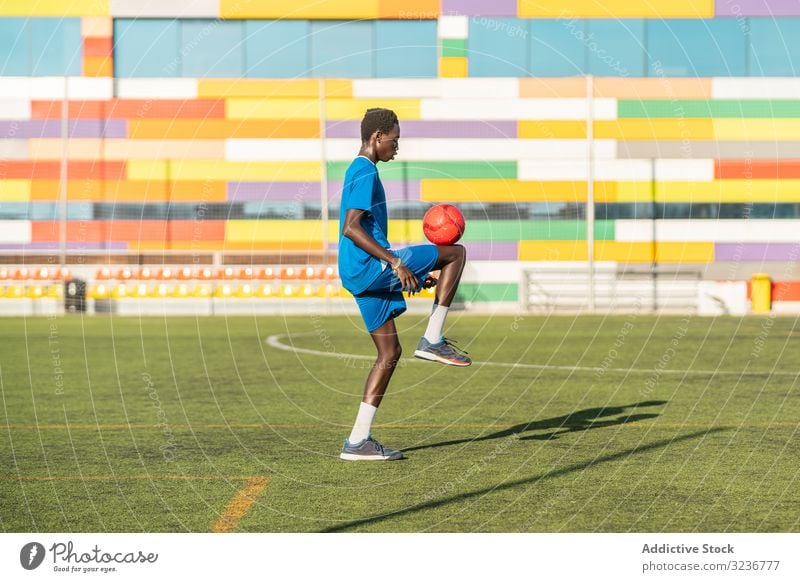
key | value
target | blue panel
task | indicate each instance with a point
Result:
(342, 49)
(56, 46)
(696, 48)
(146, 48)
(774, 48)
(558, 47)
(212, 48)
(616, 48)
(406, 48)
(14, 47)
(498, 47)
(276, 48)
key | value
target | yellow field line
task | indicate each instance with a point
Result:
(240, 505)
(122, 478)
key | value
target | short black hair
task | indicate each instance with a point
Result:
(377, 119)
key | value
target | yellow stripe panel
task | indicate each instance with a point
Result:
(148, 170)
(312, 9)
(616, 9)
(685, 252)
(756, 129)
(628, 252)
(246, 231)
(453, 67)
(15, 190)
(223, 88)
(237, 171)
(547, 129)
(55, 7)
(654, 129)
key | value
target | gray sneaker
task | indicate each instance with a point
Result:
(444, 352)
(368, 450)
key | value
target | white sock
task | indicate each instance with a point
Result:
(366, 413)
(436, 323)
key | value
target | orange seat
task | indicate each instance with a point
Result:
(5, 274)
(145, 274)
(267, 273)
(185, 274)
(289, 273)
(21, 274)
(103, 274)
(165, 274)
(205, 274)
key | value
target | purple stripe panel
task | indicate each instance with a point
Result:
(756, 252)
(415, 128)
(740, 8)
(52, 128)
(492, 251)
(273, 191)
(396, 190)
(77, 246)
(479, 7)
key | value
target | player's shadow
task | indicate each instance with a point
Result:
(587, 419)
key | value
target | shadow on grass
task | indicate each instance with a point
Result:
(436, 503)
(573, 422)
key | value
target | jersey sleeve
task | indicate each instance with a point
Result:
(359, 193)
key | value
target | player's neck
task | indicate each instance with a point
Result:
(369, 153)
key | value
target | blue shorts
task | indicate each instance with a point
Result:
(383, 299)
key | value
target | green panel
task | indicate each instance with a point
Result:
(440, 170)
(733, 108)
(487, 292)
(514, 230)
(454, 47)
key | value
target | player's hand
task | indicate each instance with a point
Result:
(430, 282)
(407, 279)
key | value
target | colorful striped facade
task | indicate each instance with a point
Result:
(679, 119)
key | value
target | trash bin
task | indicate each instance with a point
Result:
(75, 296)
(761, 293)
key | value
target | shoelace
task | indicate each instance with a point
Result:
(451, 343)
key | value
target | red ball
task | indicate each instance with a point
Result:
(443, 224)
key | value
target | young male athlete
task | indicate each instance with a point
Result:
(375, 274)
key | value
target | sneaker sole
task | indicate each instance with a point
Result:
(434, 358)
(352, 457)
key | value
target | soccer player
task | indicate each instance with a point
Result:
(375, 274)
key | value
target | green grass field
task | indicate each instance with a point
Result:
(626, 423)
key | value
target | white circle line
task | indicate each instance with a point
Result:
(274, 341)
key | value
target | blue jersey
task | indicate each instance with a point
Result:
(362, 189)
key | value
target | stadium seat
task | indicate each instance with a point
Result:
(141, 290)
(145, 274)
(160, 291)
(265, 291)
(244, 291)
(15, 292)
(185, 274)
(119, 291)
(180, 291)
(35, 291)
(125, 274)
(55, 291)
(100, 291)
(205, 274)
(103, 274)
(21, 274)
(201, 291)
(267, 274)
(223, 291)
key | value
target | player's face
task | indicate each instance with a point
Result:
(388, 144)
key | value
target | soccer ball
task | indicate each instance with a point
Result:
(443, 224)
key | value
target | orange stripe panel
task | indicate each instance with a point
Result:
(77, 231)
(95, 170)
(94, 46)
(756, 169)
(219, 128)
(409, 9)
(786, 291)
(98, 67)
(197, 230)
(131, 109)
(658, 88)
(198, 191)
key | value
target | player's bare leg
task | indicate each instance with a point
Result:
(433, 345)
(360, 446)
